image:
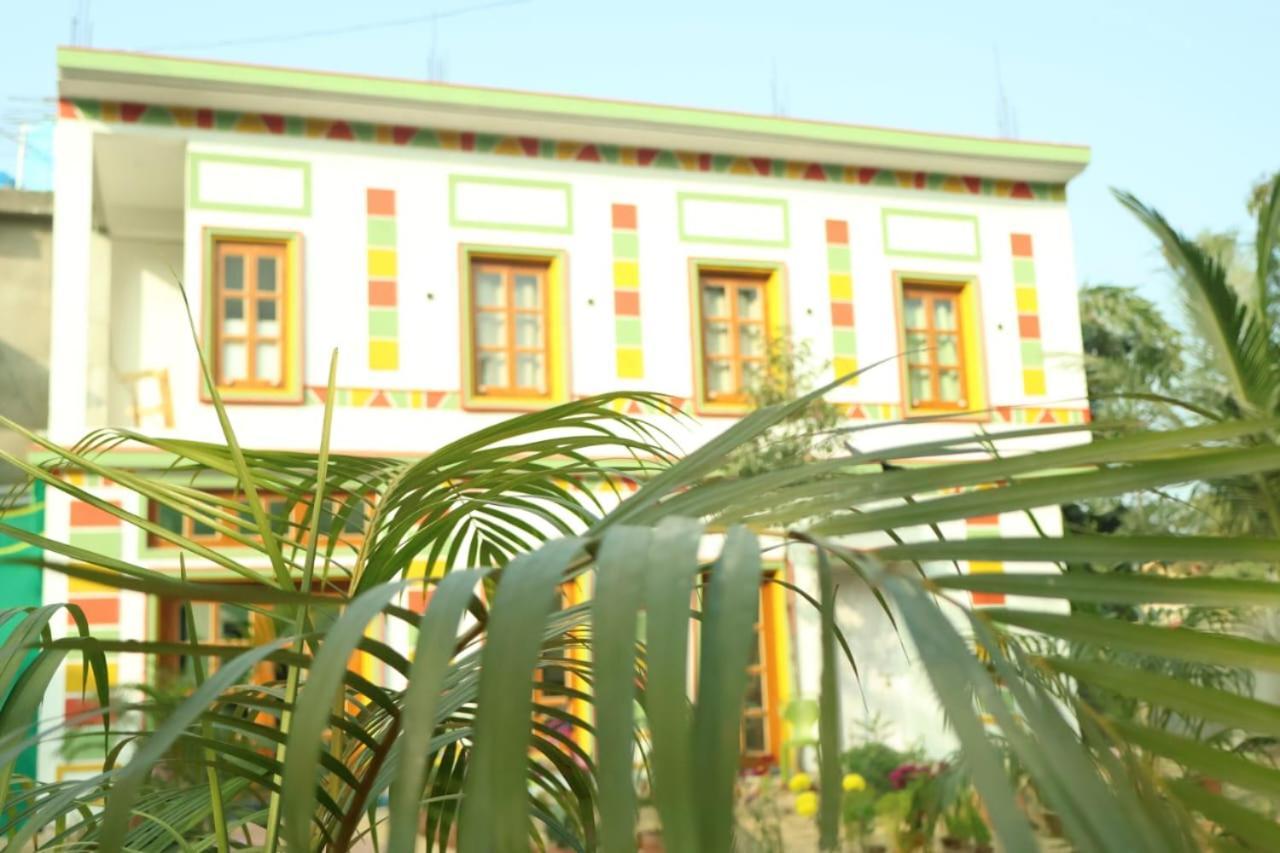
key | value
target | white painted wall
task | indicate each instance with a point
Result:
(146, 314)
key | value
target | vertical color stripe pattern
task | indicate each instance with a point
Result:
(382, 269)
(1024, 289)
(844, 346)
(984, 527)
(628, 342)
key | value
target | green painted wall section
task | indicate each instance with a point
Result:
(20, 581)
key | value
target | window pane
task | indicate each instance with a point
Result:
(235, 361)
(751, 371)
(719, 377)
(529, 371)
(753, 734)
(233, 317)
(750, 340)
(949, 386)
(913, 313)
(233, 272)
(526, 291)
(201, 615)
(717, 339)
(755, 691)
(749, 303)
(169, 518)
(918, 385)
(489, 290)
(944, 314)
(200, 530)
(267, 274)
(268, 322)
(918, 349)
(491, 329)
(267, 362)
(492, 369)
(714, 303)
(278, 510)
(528, 331)
(948, 353)
(233, 623)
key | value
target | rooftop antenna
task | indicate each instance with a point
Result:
(436, 64)
(777, 91)
(1006, 117)
(82, 24)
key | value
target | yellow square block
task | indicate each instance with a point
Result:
(1027, 302)
(844, 366)
(983, 567)
(78, 586)
(76, 678)
(630, 363)
(382, 263)
(384, 355)
(626, 274)
(841, 286)
(1033, 382)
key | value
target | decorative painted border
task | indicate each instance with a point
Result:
(457, 222)
(886, 212)
(383, 271)
(195, 158)
(291, 387)
(844, 339)
(627, 329)
(984, 527)
(113, 112)
(1024, 290)
(682, 197)
(404, 398)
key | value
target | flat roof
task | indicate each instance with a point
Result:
(175, 81)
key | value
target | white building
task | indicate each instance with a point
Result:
(476, 252)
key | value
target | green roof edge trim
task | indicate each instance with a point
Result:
(687, 118)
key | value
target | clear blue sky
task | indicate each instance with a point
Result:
(1175, 98)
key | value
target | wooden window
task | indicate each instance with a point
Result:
(757, 745)
(250, 334)
(734, 332)
(290, 519)
(216, 623)
(934, 343)
(509, 301)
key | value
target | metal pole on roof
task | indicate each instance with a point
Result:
(19, 167)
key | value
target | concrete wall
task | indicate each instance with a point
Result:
(25, 263)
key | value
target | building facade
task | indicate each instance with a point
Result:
(473, 253)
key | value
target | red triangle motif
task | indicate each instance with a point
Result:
(588, 154)
(204, 119)
(972, 184)
(468, 141)
(1005, 412)
(856, 412)
(340, 130)
(401, 135)
(1047, 417)
(1021, 190)
(379, 401)
(763, 165)
(814, 173)
(704, 162)
(646, 156)
(866, 176)
(633, 408)
(274, 123)
(434, 398)
(529, 145)
(129, 113)
(321, 393)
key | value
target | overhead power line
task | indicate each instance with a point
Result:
(279, 38)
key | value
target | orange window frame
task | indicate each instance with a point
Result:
(732, 283)
(251, 295)
(764, 671)
(297, 521)
(511, 313)
(926, 360)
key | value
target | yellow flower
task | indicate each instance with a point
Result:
(800, 782)
(853, 782)
(807, 804)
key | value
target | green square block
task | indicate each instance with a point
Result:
(627, 331)
(1024, 271)
(104, 542)
(381, 232)
(1032, 354)
(626, 245)
(983, 531)
(837, 258)
(383, 322)
(845, 342)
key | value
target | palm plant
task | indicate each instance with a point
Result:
(466, 748)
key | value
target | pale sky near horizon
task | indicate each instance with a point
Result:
(1174, 97)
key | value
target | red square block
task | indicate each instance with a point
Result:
(1028, 327)
(1021, 244)
(986, 599)
(381, 202)
(87, 515)
(382, 294)
(984, 520)
(626, 303)
(624, 216)
(842, 314)
(837, 232)
(99, 611)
